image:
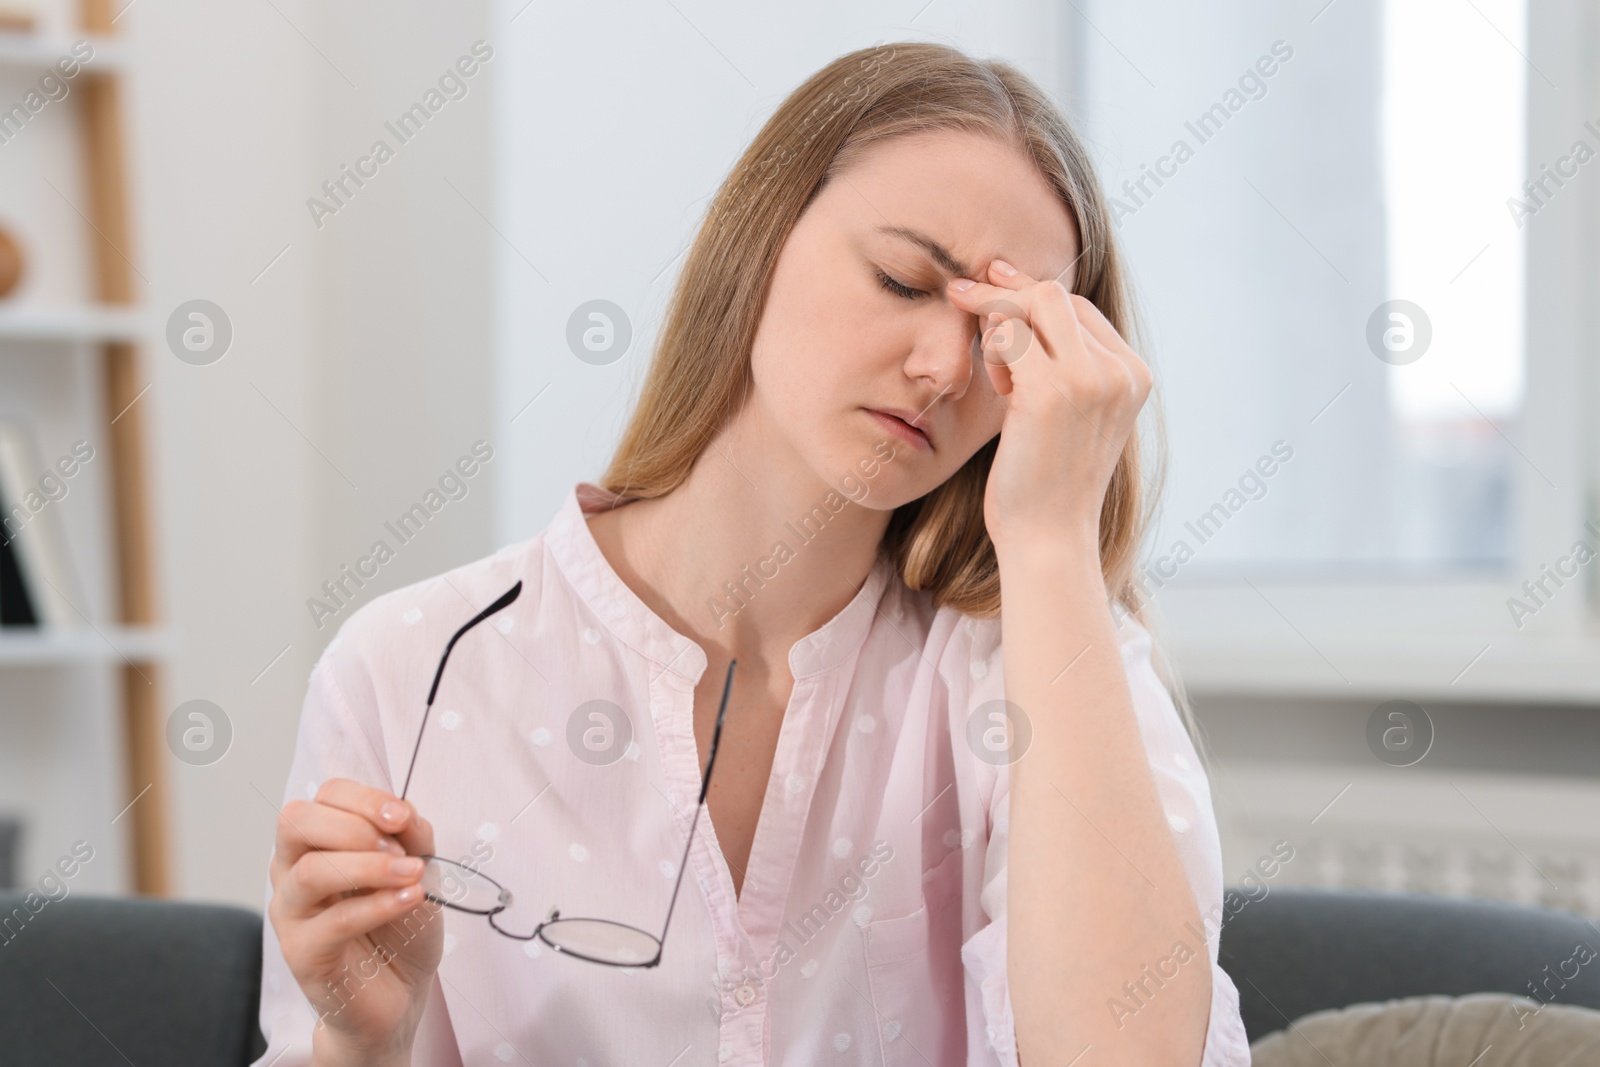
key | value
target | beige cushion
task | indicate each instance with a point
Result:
(1438, 1031)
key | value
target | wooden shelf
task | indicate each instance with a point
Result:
(72, 323)
(107, 644)
(24, 51)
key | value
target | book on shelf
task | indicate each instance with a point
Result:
(40, 585)
(15, 607)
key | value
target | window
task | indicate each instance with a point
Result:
(1358, 237)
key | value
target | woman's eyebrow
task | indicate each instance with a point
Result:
(941, 255)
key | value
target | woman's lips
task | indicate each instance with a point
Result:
(903, 430)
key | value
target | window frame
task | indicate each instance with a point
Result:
(1265, 629)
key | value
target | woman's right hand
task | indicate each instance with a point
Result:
(351, 919)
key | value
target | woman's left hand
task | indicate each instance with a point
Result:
(1075, 390)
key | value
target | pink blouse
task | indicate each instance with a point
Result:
(871, 928)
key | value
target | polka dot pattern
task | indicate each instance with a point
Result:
(955, 839)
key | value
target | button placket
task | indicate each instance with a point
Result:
(783, 810)
(744, 1028)
(672, 709)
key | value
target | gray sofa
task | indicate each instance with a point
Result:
(1297, 951)
(103, 980)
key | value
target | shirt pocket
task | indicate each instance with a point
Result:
(914, 974)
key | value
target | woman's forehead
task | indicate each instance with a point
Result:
(960, 200)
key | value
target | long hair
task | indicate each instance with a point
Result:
(700, 374)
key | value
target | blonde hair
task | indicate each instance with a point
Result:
(700, 374)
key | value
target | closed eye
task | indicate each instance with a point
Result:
(899, 289)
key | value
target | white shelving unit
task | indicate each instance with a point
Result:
(30, 52)
(84, 706)
(82, 323)
(100, 645)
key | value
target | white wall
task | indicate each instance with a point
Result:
(369, 335)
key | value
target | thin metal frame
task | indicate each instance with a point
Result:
(503, 601)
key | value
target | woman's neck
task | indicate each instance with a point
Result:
(749, 555)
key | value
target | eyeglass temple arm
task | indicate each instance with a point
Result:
(705, 785)
(503, 601)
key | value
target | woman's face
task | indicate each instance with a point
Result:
(857, 321)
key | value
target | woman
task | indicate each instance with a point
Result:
(892, 386)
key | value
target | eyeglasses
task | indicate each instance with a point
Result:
(456, 885)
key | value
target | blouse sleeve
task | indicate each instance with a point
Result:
(339, 736)
(1185, 795)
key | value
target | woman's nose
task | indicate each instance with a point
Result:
(945, 356)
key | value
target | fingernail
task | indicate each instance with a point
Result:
(391, 812)
(406, 866)
(1002, 267)
(389, 844)
(963, 284)
(406, 895)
